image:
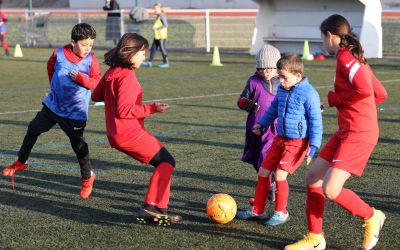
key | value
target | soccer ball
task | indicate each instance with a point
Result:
(221, 208)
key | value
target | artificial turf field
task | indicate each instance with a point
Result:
(204, 130)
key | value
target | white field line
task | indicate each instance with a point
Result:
(178, 98)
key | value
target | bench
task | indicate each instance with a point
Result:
(291, 39)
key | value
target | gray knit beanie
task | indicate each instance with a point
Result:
(267, 57)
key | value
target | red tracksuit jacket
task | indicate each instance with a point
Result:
(125, 112)
(357, 92)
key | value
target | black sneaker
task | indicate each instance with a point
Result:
(174, 217)
(146, 216)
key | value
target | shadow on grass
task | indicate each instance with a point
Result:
(40, 202)
(104, 166)
(57, 195)
(233, 231)
(379, 162)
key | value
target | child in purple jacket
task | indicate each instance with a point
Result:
(256, 98)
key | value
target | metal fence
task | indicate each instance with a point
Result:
(188, 29)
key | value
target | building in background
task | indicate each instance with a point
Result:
(387, 5)
(286, 24)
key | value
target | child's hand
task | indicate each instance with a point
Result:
(310, 154)
(73, 75)
(161, 107)
(308, 160)
(257, 129)
(248, 105)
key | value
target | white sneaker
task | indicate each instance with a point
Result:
(278, 218)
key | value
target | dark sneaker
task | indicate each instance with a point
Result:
(145, 216)
(249, 215)
(174, 217)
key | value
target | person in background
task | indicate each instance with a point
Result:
(160, 28)
(3, 31)
(113, 22)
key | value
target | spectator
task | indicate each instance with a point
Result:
(113, 23)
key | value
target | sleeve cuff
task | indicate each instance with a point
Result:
(331, 98)
(153, 108)
(313, 149)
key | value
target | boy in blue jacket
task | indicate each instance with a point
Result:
(297, 107)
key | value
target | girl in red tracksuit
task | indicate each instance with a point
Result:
(125, 114)
(356, 93)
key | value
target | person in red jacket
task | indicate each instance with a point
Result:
(125, 113)
(356, 93)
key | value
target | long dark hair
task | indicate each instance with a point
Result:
(127, 47)
(338, 25)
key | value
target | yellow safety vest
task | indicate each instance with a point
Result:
(160, 33)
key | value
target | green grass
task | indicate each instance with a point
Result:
(205, 135)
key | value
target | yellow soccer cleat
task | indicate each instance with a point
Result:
(372, 228)
(310, 242)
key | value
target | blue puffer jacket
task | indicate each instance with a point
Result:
(298, 111)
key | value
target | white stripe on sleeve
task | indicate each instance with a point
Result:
(353, 71)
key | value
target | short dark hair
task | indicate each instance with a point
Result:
(291, 63)
(82, 31)
(127, 47)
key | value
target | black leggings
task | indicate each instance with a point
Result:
(43, 122)
(155, 46)
(162, 156)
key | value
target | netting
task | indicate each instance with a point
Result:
(187, 29)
